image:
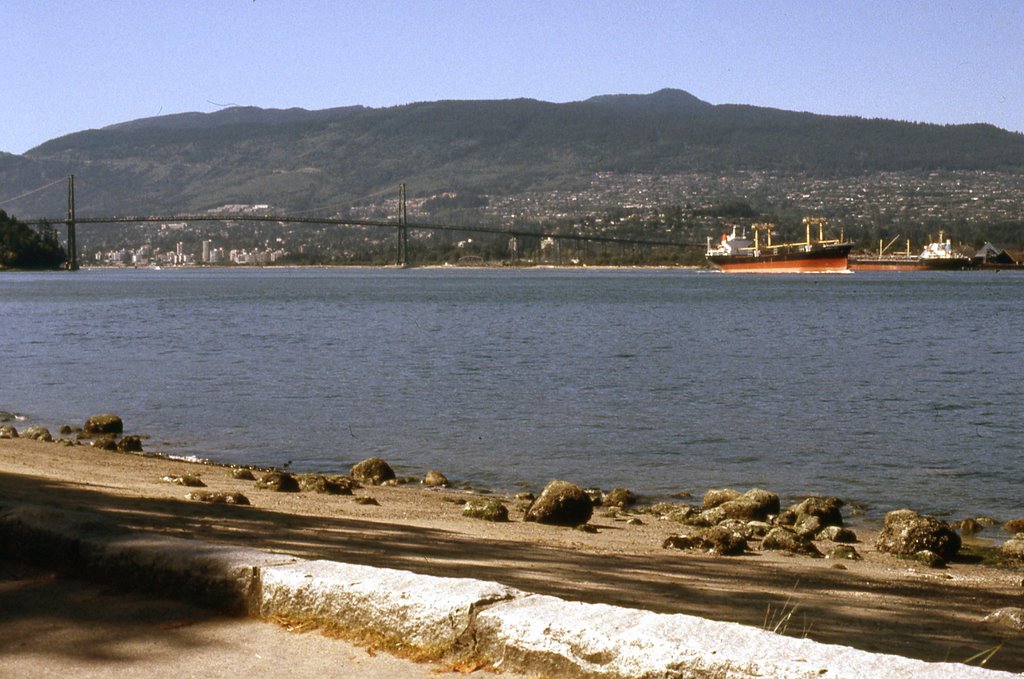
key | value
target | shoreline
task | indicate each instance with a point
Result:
(880, 603)
(857, 513)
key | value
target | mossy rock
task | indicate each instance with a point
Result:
(487, 509)
(103, 424)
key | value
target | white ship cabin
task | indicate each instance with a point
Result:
(730, 245)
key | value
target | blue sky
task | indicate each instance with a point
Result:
(69, 65)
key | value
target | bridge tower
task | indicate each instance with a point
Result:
(72, 257)
(403, 232)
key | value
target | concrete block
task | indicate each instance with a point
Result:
(425, 611)
(570, 639)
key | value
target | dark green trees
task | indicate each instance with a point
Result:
(22, 247)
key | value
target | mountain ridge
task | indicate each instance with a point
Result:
(300, 159)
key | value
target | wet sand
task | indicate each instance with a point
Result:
(881, 604)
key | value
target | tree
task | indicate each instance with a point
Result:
(22, 247)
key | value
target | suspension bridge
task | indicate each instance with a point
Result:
(401, 225)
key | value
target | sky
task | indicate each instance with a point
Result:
(68, 65)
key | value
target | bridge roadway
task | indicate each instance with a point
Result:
(418, 226)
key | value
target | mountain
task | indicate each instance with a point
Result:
(301, 160)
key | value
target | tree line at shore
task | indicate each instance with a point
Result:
(22, 247)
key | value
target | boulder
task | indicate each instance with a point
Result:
(242, 474)
(596, 496)
(968, 526)
(130, 444)
(374, 471)
(323, 484)
(435, 478)
(905, 533)
(105, 443)
(1010, 617)
(217, 498)
(37, 433)
(715, 497)
(279, 482)
(103, 424)
(785, 540)
(562, 504)
(189, 480)
(487, 509)
(7, 416)
(837, 534)
(1014, 526)
(928, 558)
(8, 431)
(619, 497)
(1014, 547)
(847, 552)
(715, 540)
(826, 509)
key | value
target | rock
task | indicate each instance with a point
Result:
(905, 533)
(844, 552)
(329, 486)
(596, 496)
(634, 521)
(217, 498)
(526, 497)
(37, 433)
(105, 443)
(837, 534)
(562, 504)
(716, 540)
(374, 471)
(785, 540)
(619, 497)
(130, 444)
(1014, 526)
(242, 474)
(808, 524)
(103, 424)
(757, 529)
(7, 416)
(487, 509)
(8, 431)
(279, 482)
(1014, 547)
(1009, 617)
(682, 514)
(826, 509)
(713, 498)
(968, 526)
(365, 500)
(753, 505)
(928, 558)
(66, 430)
(787, 517)
(190, 480)
(435, 479)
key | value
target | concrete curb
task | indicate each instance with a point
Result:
(516, 630)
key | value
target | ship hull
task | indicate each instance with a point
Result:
(824, 260)
(910, 264)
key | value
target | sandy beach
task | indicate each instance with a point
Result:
(881, 603)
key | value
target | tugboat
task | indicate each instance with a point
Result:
(936, 256)
(737, 254)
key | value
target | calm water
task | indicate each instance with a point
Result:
(886, 389)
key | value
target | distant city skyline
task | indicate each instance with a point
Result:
(75, 66)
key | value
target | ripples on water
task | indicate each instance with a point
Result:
(888, 389)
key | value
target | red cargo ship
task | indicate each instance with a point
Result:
(736, 254)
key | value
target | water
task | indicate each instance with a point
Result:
(885, 389)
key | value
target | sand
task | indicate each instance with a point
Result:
(881, 603)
